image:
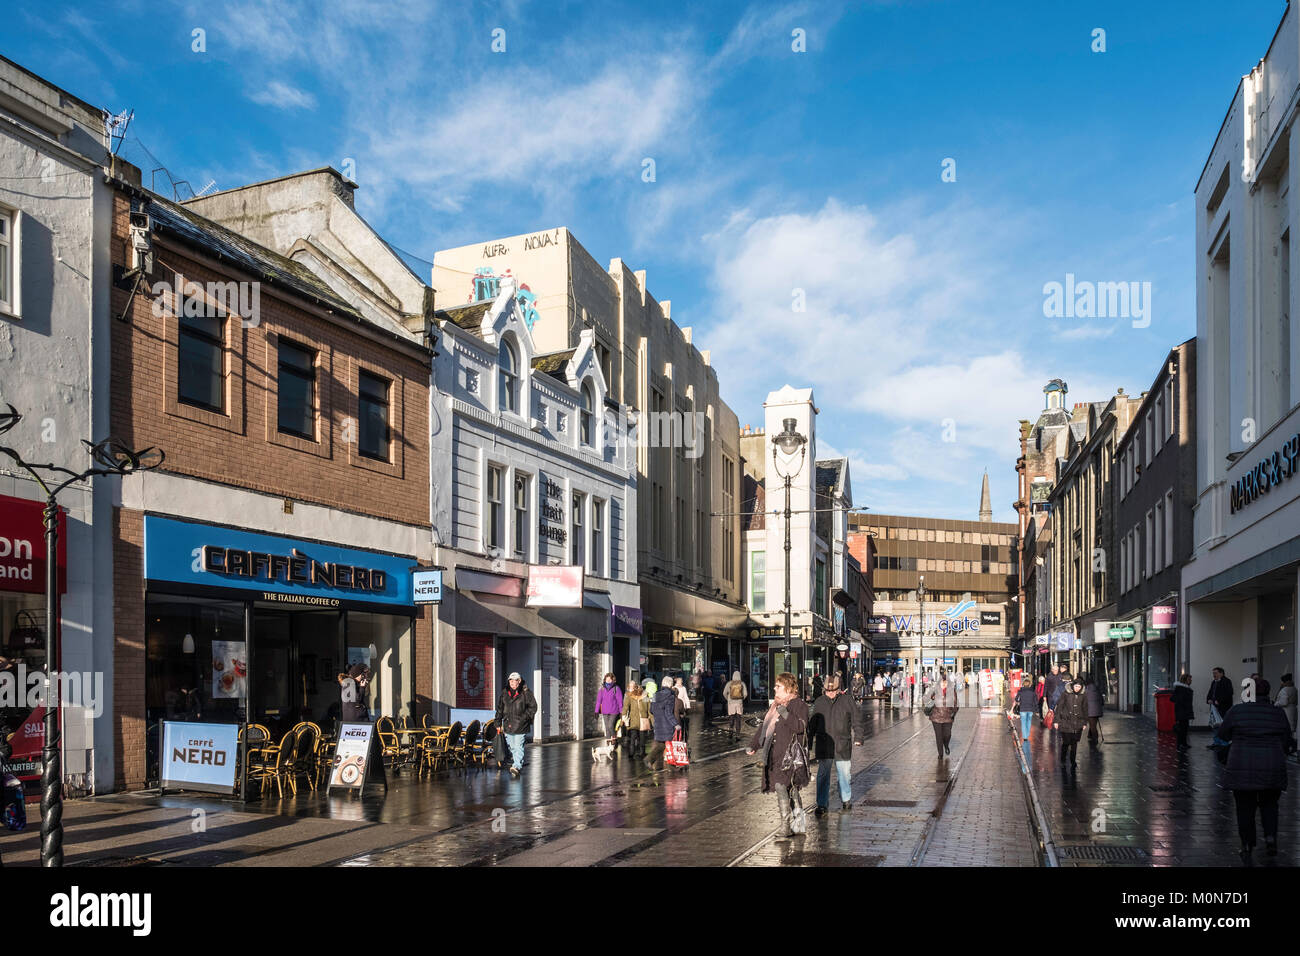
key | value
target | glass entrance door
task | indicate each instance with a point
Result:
(296, 660)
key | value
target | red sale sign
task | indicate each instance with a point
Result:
(27, 742)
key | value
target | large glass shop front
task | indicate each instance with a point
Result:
(245, 627)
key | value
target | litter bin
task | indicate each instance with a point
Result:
(1164, 710)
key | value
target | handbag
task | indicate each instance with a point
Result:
(1216, 718)
(675, 752)
(1049, 719)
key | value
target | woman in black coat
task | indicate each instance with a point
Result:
(786, 721)
(1256, 772)
(1183, 713)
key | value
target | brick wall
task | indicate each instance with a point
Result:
(128, 649)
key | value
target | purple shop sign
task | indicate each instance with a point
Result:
(625, 621)
(1164, 617)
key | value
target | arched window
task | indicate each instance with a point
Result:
(588, 415)
(508, 396)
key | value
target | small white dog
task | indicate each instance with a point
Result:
(603, 753)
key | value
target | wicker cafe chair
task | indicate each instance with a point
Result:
(390, 744)
(323, 759)
(304, 754)
(467, 745)
(438, 748)
(481, 753)
(274, 763)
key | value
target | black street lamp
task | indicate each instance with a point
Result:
(788, 442)
(112, 457)
(920, 653)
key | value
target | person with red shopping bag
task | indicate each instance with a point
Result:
(665, 712)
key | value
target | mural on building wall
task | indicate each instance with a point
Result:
(487, 285)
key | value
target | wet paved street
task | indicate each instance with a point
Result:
(1134, 800)
(909, 809)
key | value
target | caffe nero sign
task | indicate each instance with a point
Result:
(1269, 471)
(276, 569)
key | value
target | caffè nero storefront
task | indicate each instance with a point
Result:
(249, 627)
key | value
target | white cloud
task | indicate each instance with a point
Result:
(284, 97)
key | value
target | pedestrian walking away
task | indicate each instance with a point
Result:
(735, 693)
(1286, 699)
(516, 708)
(780, 738)
(1050, 684)
(684, 697)
(707, 690)
(636, 717)
(1183, 710)
(1071, 714)
(941, 707)
(1096, 707)
(1027, 705)
(664, 720)
(1257, 734)
(831, 728)
(1219, 698)
(609, 704)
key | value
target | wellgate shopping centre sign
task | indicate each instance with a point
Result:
(1269, 471)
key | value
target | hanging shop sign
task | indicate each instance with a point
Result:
(22, 546)
(1269, 471)
(626, 621)
(199, 756)
(426, 587)
(554, 585)
(1163, 617)
(1121, 632)
(272, 568)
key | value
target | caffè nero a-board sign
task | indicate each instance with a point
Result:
(358, 759)
(199, 756)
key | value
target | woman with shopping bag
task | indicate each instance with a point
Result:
(785, 754)
(664, 711)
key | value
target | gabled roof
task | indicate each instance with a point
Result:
(828, 473)
(554, 363)
(218, 241)
(468, 317)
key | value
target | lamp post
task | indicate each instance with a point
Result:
(920, 652)
(112, 457)
(787, 443)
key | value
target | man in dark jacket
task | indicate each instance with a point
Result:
(831, 727)
(664, 716)
(1256, 772)
(1220, 695)
(516, 708)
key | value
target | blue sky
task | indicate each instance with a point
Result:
(923, 331)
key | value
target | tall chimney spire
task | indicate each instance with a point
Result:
(986, 503)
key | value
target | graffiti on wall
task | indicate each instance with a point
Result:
(487, 285)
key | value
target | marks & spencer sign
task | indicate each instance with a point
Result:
(1269, 471)
(276, 569)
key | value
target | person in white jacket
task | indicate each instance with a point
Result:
(680, 688)
(735, 693)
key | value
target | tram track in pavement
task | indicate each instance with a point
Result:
(931, 823)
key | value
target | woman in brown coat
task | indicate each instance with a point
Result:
(941, 705)
(785, 766)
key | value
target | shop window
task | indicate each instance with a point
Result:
(495, 508)
(201, 368)
(597, 537)
(758, 580)
(508, 383)
(373, 414)
(579, 502)
(392, 684)
(296, 389)
(522, 526)
(196, 664)
(9, 259)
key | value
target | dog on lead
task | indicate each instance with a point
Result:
(603, 754)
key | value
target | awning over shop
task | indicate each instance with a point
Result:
(689, 612)
(486, 583)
